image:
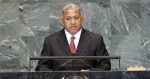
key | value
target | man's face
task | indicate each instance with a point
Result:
(72, 20)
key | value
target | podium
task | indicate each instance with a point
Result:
(77, 75)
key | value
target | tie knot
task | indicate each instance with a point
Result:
(73, 37)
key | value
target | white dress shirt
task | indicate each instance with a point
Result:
(77, 37)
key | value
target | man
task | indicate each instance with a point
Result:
(73, 40)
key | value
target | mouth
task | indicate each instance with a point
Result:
(73, 27)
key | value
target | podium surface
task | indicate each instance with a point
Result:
(77, 75)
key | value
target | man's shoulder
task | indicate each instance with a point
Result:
(92, 34)
(53, 35)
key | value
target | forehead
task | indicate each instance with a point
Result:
(71, 11)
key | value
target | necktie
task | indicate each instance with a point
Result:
(72, 45)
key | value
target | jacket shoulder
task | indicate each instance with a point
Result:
(92, 34)
(52, 36)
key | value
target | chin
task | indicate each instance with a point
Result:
(73, 33)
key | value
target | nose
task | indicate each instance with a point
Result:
(72, 21)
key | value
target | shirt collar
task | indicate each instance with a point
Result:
(77, 35)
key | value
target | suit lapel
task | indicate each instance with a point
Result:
(82, 41)
(63, 42)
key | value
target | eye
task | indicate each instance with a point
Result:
(76, 18)
(67, 18)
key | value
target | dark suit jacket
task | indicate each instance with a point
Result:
(90, 44)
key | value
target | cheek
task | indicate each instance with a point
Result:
(66, 25)
(79, 23)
